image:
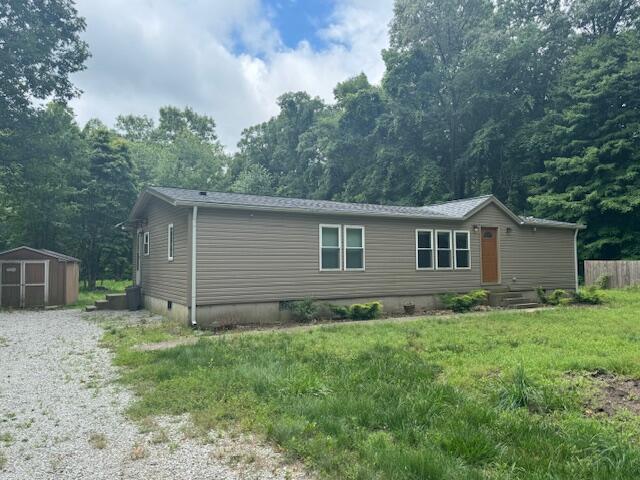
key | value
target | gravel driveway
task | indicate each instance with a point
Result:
(62, 415)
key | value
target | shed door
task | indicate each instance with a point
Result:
(10, 285)
(490, 267)
(34, 284)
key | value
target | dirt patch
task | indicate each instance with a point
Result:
(615, 394)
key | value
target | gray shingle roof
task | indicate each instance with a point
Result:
(44, 251)
(458, 208)
(453, 210)
(238, 199)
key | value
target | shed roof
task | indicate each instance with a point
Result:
(49, 253)
(456, 210)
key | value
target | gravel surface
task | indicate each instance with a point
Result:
(62, 415)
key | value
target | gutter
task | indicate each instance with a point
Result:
(575, 254)
(194, 253)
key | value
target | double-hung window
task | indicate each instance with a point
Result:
(424, 249)
(353, 248)
(462, 256)
(330, 246)
(145, 243)
(443, 250)
(170, 242)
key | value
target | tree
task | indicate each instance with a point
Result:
(41, 48)
(592, 174)
(255, 180)
(106, 197)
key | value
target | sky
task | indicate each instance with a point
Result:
(229, 59)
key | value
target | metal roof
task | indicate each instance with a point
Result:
(453, 210)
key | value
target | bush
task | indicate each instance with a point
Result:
(304, 310)
(556, 297)
(365, 311)
(339, 312)
(589, 296)
(465, 302)
(603, 282)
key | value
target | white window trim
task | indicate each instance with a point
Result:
(437, 249)
(146, 248)
(320, 227)
(344, 250)
(170, 230)
(456, 249)
(430, 232)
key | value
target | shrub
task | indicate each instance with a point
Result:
(365, 311)
(542, 295)
(465, 302)
(304, 310)
(603, 282)
(589, 295)
(339, 312)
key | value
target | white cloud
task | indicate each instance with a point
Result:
(150, 53)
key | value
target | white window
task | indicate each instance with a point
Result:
(462, 256)
(443, 250)
(424, 249)
(170, 242)
(145, 243)
(353, 247)
(330, 246)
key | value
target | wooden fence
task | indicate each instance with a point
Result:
(621, 273)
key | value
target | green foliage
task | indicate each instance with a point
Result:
(365, 311)
(591, 295)
(464, 302)
(339, 312)
(41, 48)
(466, 397)
(603, 282)
(304, 310)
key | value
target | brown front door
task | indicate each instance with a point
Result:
(490, 272)
(10, 284)
(34, 285)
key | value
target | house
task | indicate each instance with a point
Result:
(214, 258)
(32, 278)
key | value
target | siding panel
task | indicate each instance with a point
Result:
(246, 256)
(162, 278)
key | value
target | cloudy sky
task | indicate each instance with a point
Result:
(229, 59)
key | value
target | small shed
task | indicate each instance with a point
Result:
(32, 278)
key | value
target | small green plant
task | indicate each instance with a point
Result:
(465, 302)
(3, 461)
(517, 390)
(365, 311)
(589, 295)
(304, 310)
(603, 282)
(98, 441)
(542, 295)
(339, 312)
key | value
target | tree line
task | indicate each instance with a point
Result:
(535, 101)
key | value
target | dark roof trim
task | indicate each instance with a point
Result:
(44, 251)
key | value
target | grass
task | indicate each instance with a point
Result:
(89, 297)
(98, 441)
(499, 395)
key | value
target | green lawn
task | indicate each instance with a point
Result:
(89, 297)
(497, 395)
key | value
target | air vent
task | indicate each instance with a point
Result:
(204, 194)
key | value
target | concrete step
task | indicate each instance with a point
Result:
(102, 305)
(520, 306)
(514, 300)
(501, 298)
(90, 308)
(117, 301)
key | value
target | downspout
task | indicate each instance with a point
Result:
(194, 231)
(575, 255)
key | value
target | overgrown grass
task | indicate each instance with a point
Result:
(496, 395)
(89, 297)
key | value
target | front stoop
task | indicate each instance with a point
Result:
(112, 301)
(510, 299)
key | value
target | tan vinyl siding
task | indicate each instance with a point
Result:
(161, 277)
(253, 256)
